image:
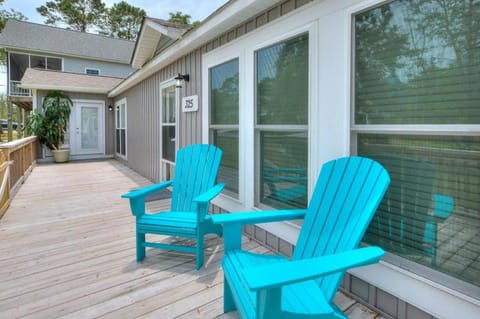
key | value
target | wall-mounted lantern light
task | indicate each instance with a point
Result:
(110, 107)
(180, 78)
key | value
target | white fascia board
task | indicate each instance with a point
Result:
(171, 32)
(224, 19)
(66, 88)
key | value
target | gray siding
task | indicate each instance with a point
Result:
(143, 100)
(77, 65)
(109, 115)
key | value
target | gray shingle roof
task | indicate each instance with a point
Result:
(47, 39)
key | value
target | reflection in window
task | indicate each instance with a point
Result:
(418, 63)
(224, 107)
(282, 123)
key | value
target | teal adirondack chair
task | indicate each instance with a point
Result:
(194, 187)
(347, 194)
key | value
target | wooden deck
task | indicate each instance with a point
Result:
(67, 250)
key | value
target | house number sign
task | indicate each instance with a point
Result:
(190, 103)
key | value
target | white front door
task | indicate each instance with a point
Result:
(87, 128)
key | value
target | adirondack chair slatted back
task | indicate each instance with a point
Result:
(196, 170)
(344, 201)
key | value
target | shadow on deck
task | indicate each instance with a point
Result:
(67, 249)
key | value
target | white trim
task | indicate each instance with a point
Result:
(117, 104)
(93, 69)
(171, 32)
(78, 89)
(163, 85)
(426, 295)
(451, 129)
(8, 73)
(282, 29)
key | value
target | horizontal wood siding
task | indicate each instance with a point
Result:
(143, 100)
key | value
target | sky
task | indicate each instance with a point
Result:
(198, 9)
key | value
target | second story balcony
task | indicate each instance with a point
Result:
(16, 90)
(18, 63)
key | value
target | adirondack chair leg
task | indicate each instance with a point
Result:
(140, 247)
(269, 303)
(200, 253)
(228, 303)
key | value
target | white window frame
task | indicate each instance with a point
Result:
(224, 126)
(117, 105)
(92, 69)
(244, 49)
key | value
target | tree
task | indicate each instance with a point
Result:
(80, 15)
(4, 16)
(123, 21)
(181, 18)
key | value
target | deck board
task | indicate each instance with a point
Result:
(67, 250)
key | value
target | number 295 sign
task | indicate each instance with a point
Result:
(190, 103)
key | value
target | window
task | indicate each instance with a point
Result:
(91, 71)
(46, 63)
(168, 123)
(169, 128)
(416, 96)
(281, 128)
(38, 62)
(258, 99)
(54, 64)
(121, 128)
(224, 93)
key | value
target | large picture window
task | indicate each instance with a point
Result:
(416, 111)
(281, 126)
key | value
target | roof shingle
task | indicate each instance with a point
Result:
(48, 39)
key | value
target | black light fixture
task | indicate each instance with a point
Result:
(110, 107)
(180, 78)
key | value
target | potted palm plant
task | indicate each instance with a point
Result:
(50, 127)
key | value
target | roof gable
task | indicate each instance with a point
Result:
(151, 33)
(47, 39)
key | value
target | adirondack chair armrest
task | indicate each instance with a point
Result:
(148, 190)
(244, 218)
(207, 196)
(289, 272)
(137, 197)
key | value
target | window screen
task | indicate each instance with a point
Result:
(282, 123)
(224, 107)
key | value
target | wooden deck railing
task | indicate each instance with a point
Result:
(16, 162)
